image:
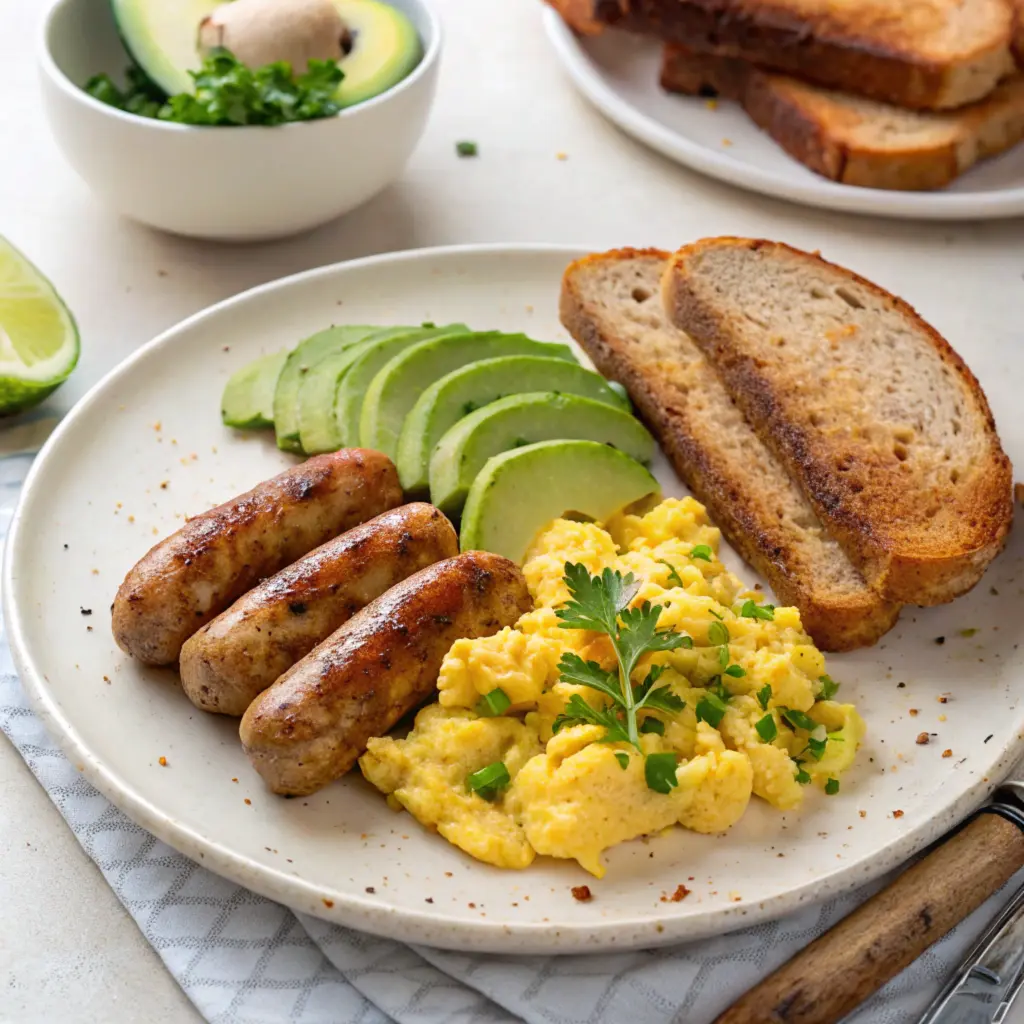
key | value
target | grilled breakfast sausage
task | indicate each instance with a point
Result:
(233, 659)
(312, 724)
(216, 557)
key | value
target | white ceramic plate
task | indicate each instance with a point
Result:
(96, 500)
(618, 73)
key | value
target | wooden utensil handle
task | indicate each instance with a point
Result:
(856, 957)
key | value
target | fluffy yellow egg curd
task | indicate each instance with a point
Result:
(492, 771)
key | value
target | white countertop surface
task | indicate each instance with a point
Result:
(68, 952)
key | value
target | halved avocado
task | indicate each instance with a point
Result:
(393, 392)
(161, 38)
(356, 380)
(300, 360)
(519, 492)
(248, 400)
(458, 393)
(318, 431)
(520, 420)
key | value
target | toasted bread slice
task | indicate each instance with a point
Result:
(874, 415)
(929, 55)
(579, 16)
(611, 305)
(854, 140)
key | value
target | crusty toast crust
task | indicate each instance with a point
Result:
(663, 395)
(579, 16)
(851, 140)
(877, 50)
(917, 543)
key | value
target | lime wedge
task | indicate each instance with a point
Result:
(38, 336)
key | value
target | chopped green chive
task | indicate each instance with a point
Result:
(493, 704)
(703, 552)
(673, 576)
(832, 787)
(736, 671)
(660, 772)
(716, 614)
(623, 759)
(723, 656)
(829, 687)
(817, 748)
(718, 633)
(799, 720)
(752, 610)
(466, 148)
(711, 709)
(801, 776)
(489, 781)
(767, 729)
(764, 695)
(655, 725)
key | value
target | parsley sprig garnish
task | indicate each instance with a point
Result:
(227, 92)
(602, 604)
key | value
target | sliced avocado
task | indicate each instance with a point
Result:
(520, 420)
(319, 386)
(248, 399)
(458, 393)
(300, 360)
(353, 385)
(385, 48)
(519, 492)
(397, 385)
(161, 38)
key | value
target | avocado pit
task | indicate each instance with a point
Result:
(260, 32)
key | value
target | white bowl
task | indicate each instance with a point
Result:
(230, 183)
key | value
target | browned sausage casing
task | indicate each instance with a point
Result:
(312, 724)
(216, 557)
(233, 659)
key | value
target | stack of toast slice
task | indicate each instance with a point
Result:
(842, 446)
(867, 92)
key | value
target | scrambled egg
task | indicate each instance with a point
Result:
(569, 793)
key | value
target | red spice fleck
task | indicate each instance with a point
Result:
(163, 762)
(863, 814)
(370, 889)
(247, 801)
(678, 896)
(922, 739)
(327, 903)
(912, 712)
(897, 814)
(947, 753)
(943, 699)
(429, 899)
(472, 906)
(580, 892)
(163, 485)
(234, 780)
(447, 874)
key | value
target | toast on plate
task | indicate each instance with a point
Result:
(872, 413)
(579, 16)
(611, 304)
(926, 55)
(850, 139)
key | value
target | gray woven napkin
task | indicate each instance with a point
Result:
(243, 959)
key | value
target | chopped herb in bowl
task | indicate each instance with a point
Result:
(229, 93)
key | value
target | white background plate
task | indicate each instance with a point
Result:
(94, 503)
(618, 73)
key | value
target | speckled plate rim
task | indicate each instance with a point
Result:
(360, 912)
(939, 205)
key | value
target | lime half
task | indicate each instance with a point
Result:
(38, 336)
